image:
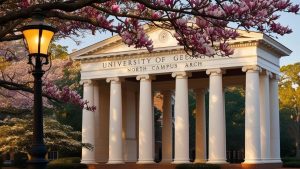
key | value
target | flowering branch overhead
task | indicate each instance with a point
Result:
(66, 95)
(198, 24)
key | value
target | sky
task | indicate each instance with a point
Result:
(292, 41)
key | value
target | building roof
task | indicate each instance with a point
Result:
(114, 46)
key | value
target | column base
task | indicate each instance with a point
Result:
(181, 161)
(269, 160)
(252, 161)
(88, 162)
(115, 162)
(217, 161)
(273, 161)
(145, 162)
(200, 161)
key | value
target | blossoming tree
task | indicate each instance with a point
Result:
(203, 27)
(17, 82)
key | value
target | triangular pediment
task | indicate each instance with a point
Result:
(162, 39)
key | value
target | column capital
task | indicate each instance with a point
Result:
(275, 76)
(86, 82)
(181, 74)
(113, 80)
(266, 73)
(251, 68)
(145, 77)
(215, 72)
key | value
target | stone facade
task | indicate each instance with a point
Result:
(120, 81)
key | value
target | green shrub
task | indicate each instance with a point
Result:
(66, 166)
(289, 159)
(291, 164)
(66, 163)
(198, 166)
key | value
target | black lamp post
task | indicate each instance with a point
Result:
(38, 36)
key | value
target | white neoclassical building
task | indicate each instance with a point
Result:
(120, 82)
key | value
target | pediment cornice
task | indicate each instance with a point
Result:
(157, 52)
(111, 47)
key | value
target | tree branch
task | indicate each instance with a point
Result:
(128, 15)
(9, 27)
(64, 16)
(20, 87)
(11, 38)
(64, 6)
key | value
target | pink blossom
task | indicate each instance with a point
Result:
(294, 9)
(141, 7)
(281, 30)
(202, 23)
(25, 3)
(115, 8)
(155, 15)
(135, 35)
(169, 2)
(224, 47)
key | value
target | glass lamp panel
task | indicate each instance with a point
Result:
(32, 39)
(45, 41)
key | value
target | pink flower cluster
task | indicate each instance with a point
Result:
(66, 95)
(201, 34)
(25, 3)
(133, 33)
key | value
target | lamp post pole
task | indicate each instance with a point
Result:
(38, 36)
(38, 149)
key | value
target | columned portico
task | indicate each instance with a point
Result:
(217, 128)
(122, 127)
(115, 122)
(252, 115)
(146, 118)
(88, 122)
(181, 117)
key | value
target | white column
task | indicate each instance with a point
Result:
(274, 121)
(167, 127)
(181, 118)
(217, 125)
(146, 121)
(115, 122)
(264, 115)
(88, 123)
(252, 115)
(200, 126)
